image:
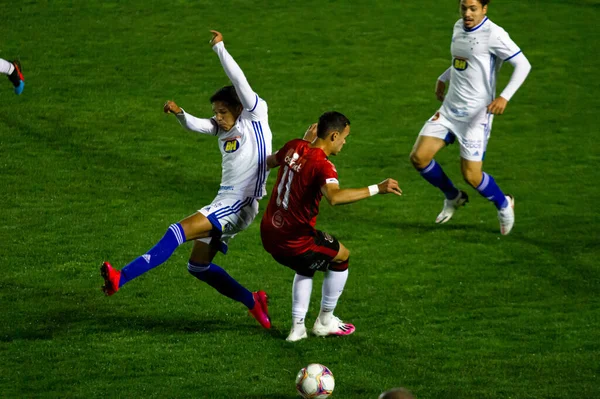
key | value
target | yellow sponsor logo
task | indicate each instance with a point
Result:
(231, 146)
(460, 64)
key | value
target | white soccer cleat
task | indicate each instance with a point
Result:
(450, 206)
(296, 334)
(506, 216)
(335, 327)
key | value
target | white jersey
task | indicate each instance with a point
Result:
(246, 146)
(477, 56)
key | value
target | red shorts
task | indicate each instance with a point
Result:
(318, 257)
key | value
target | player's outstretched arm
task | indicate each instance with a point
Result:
(190, 122)
(337, 196)
(247, 96)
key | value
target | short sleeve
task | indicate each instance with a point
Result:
(327, 174)
(502, 46)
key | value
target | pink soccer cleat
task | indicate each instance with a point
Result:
(111, 278)
(335, 327)
(260, 311)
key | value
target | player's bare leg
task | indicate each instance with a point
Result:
(196, 226)
(421, 157)
(333, 286)
(486, 185)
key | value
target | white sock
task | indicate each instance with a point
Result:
(6, 67)
(333, 286)
(301, 290)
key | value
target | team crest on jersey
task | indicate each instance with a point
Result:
(460, 64)
(277, 220)
(231, 145)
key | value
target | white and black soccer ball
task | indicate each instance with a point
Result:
(315, 381)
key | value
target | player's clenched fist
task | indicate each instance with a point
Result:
(389, 186)
(171, 107)
(216, 37)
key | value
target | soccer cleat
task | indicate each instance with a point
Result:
(450, 206)
(111, 278)
(335, 327)
(260, 311)
(297, 333)
(16, 77)
(506, 216)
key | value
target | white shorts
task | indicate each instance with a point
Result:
(472, 135)
(229, 216)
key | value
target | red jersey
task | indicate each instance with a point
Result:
(288, 224)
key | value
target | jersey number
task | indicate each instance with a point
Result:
(283, 190)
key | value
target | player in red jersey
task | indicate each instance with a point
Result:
(288, 226)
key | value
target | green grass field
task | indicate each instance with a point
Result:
(92, 170)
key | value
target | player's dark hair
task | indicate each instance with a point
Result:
(227, 95)
(331, 121)
(483, 2)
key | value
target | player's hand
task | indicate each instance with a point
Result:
(171, 107)
(440, 90)
(311, 133)
(389, 186)
(497, 106)
(216, 37)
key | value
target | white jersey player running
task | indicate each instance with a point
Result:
(241, 125)
(479, 48)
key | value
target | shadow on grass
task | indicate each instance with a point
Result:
(45, 314)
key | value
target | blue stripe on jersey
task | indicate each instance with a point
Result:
(258, 134)
(256, 103)
(514, 55)
(255, 128)
(493, 75)
(477, 27)
(264, 163)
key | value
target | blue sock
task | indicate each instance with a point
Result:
(163, 249)
(490, 190)
(434, 174)
(220, 280)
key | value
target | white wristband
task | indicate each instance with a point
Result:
(374, 190)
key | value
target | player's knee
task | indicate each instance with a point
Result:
(342, 255)
(418, 160)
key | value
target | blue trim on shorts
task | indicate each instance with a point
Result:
(215, 222)
(450, 138)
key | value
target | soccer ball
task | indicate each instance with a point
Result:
(315, 381)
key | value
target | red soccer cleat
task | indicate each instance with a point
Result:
(111, 278)
(16, 77)
(260, 310)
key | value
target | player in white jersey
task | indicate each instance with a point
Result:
(12, 69)
(479, 47)
(241, 126)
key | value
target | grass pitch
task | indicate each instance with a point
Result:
(91, 170)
